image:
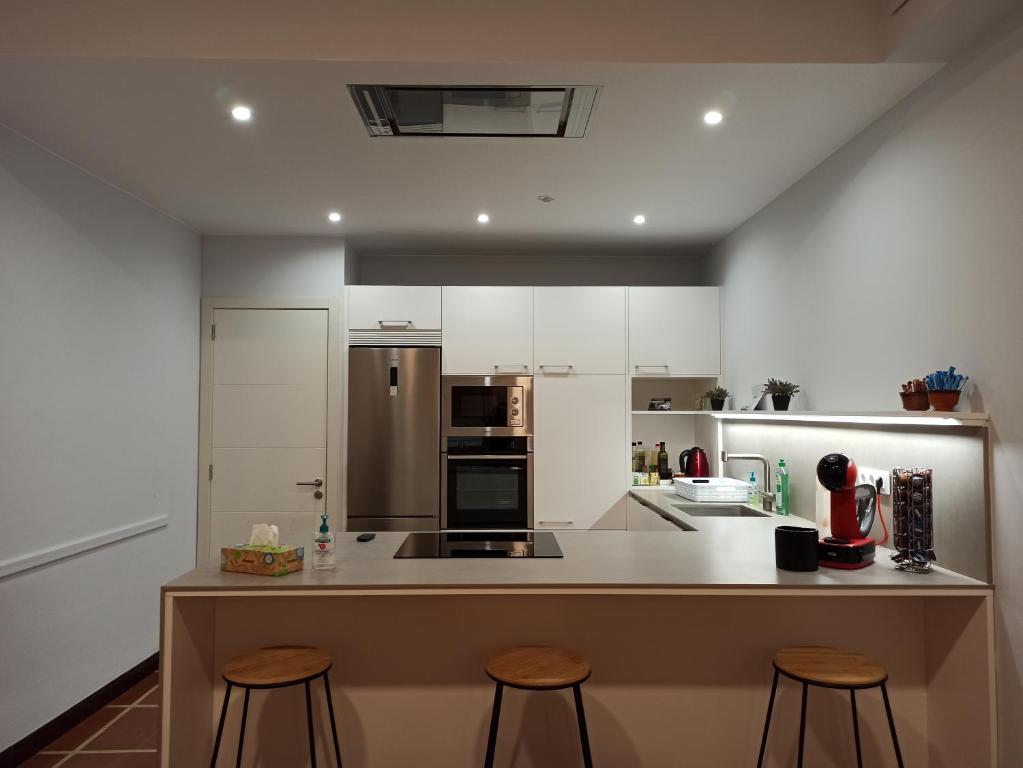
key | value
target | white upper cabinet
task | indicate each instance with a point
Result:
(675, 331)
(579, 329)
(488, 329)
(580, 452)
(392, 307)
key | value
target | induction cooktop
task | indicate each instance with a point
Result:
(480, 544)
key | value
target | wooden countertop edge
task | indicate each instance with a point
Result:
(771, 590)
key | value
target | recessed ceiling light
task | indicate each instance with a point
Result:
(713, 117)
(545, 199)
(241, 113)
(639, 218)
(483, 218)
(334, 217)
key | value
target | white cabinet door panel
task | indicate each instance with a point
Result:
(269, 416)
(580, 452)
(581, 327)
(488, 329)
(378, 307)
(675, 331)
(642, 518)
(270, 346)
(264, 479)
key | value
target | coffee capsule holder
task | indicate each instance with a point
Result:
(912, 520)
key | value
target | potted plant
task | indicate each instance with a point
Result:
(781, 393)
(717, 397)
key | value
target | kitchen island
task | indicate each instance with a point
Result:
(679, 626)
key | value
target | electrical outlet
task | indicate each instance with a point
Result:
(870, 475)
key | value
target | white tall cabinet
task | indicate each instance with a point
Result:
(487, 329)
(579, 407)
(675, 331)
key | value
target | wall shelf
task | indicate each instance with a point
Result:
(672, 413)
(901, 418)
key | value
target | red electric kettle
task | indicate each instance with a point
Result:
(693, 463)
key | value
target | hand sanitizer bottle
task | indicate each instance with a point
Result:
(323, 547)
(754, 492)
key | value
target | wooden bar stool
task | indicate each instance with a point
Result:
(829, 668)
(277, 667)
(538, 668)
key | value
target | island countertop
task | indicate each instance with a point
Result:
(735, 555)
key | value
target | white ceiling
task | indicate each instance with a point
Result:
(160, 129)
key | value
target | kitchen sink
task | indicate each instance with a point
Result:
(718, 510)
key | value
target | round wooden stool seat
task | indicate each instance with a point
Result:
(538, 667)
(830, 667)
(277, 666)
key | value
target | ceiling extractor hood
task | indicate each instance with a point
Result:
(475, 110)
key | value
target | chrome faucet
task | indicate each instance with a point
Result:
(766, 495)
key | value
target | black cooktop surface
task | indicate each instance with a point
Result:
(480, 544)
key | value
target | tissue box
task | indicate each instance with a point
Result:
(265, 561)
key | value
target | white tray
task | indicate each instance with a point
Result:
(712, 489)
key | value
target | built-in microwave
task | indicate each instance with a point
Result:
(498, 406)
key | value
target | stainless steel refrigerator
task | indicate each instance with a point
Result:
(393, 477)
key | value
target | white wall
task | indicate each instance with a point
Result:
(292, 267)
(529, 270)
(99, 325)
(902, 253)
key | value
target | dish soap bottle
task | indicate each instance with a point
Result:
(754, 494)
(323, 547)
(781, 489)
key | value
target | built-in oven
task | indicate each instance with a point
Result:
(474, 406)
(487, 482)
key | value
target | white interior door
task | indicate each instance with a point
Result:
(268, 423)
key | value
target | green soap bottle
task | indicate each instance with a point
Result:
(781, 489)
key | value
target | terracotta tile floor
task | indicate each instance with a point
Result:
(124, 734)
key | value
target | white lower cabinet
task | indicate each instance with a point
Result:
(641, 518)
(580, 451)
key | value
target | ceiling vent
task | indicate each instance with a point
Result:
(561, 112)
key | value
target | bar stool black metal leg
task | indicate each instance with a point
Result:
(767, 720)
(856, 728)
(241, 733)
(220, 726)
(495, 717)
(309, 722)
(333, 725)
(584, 737)
(802, 728)
(891, 724)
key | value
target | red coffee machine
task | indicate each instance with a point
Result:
(848, 546)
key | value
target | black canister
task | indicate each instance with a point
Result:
(795, 548)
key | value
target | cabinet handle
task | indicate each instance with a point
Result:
(403, 323)
(665, 366)
(568, 366)
(559, 522)
(499, 366)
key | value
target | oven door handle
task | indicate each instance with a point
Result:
(462, 456)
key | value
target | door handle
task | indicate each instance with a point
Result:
(317, 483)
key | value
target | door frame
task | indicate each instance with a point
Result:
(333, 491)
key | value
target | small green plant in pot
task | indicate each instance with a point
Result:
(717, 397)
(781, 393)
